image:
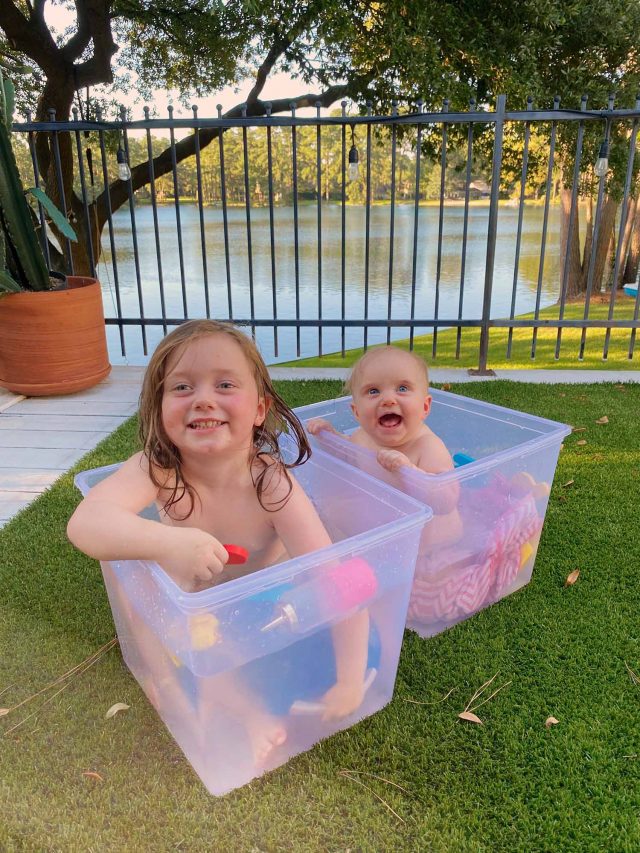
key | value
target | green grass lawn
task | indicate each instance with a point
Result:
(509, 785)
(521, 346)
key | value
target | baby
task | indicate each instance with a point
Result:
(390, 401)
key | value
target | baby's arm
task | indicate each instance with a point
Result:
(314, 426)
(106, 526)
(302, 531)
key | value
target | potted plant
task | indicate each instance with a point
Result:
(52, 332)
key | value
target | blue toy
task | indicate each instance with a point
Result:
(462, 459)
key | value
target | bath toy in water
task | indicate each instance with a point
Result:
(523, 483)
(526, 552)
(300, 706)
(237, 554)
(339, 590)
(462, 459)
(204, 631)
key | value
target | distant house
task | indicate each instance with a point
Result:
(479, 189)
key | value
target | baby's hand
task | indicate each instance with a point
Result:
(393, 460)
(342, 700)
(194, 558)
(316, 425)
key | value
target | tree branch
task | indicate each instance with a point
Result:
(20, 34)
(279, 46)
(163, 163)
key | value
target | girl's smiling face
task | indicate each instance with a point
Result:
(210, 399)
(391, 397)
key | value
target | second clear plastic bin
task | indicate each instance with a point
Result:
(223, 681)
(482, 542)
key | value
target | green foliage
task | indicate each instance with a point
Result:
(22, 255)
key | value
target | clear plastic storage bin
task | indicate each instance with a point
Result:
(487, 514)
(220, 679)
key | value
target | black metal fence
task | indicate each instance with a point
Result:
(331, 276)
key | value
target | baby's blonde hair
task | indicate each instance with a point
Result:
(161, 451)
(350, 382)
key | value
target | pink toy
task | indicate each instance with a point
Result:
(333, 594)
(454, 583)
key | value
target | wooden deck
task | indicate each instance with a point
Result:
(42, 437)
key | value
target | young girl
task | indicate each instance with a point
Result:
(209, 425)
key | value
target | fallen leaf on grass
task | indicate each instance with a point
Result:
(93, 775)
(603, 420)
(578, 429)
(568, 483)
(468, 714)
(4, 711)
(572, 578)
(113, 710)
(550, 721)
(470, 717)
(581, 443)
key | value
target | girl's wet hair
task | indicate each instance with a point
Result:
(163, 454)
(349, 384)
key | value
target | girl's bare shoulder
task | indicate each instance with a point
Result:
(131, 484)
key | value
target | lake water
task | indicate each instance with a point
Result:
(426, 270)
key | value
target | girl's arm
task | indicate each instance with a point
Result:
(301, 531)
(106, 526)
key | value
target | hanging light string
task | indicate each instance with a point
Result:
(354, 168)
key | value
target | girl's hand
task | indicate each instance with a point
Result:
(393, 460)
(194, 559)
(342, 699)
(316, 425)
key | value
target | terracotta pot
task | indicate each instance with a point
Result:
(53, 342)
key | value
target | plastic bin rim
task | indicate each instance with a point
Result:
(460, 474)
(559, 429)
(255, 581)
(271, 576)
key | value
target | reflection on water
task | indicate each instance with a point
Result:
(330, 303)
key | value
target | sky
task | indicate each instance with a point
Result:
(278, 85)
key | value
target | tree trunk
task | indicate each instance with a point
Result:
(626, 238)
(630, 274)
(574, 274)
(605, 233)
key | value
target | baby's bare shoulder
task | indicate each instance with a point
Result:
(432, 454)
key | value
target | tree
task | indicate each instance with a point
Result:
(358, 49)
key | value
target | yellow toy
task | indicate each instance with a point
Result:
(204, 631)
(523, 483)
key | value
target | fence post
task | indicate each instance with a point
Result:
(491, 238)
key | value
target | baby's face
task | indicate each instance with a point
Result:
(391, 397)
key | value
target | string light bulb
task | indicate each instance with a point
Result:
(354, 168)
(602, 163)
(124, 172)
